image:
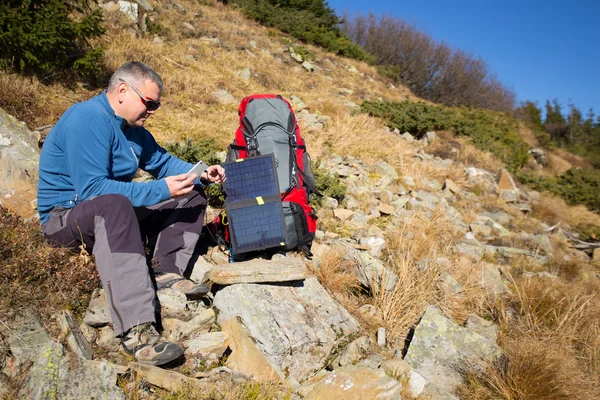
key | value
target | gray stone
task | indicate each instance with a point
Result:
(297, 57)
(376, 245)
(470, 251)
(223, 97)
(342, 214)
(55, 375)
(407, 136)
(480, 229)
(174, 304)
(355, 351)
(107, 339)
(27, 338)
(200, 270)
(208, 345)
(386, 209)
(485, 328)
(544, 243)
(359, 218)
(330, 203)
(189, 27)
(88, 332)
(371, 272)
(158, 40)
(386, 169)
(352, 203)
(216, 256)
(19, 154)
(145, 4)
(297, 103)
(450, 185)
(98, 313)
(386, 196)
(76, 341)
(492, 280)
(244, 74)
(308, 66)
(381, 339)
(210, 40)
(450, 285)
(258, 270)
(408, 181)
(439, 346)
(296, 325)
(372, 361)
(430, 137)
(129, 9)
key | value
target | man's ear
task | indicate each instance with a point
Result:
(121, 91)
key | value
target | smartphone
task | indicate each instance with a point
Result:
(198, 169)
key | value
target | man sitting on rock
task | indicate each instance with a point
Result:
(86, 196)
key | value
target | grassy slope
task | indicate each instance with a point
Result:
(554, 338)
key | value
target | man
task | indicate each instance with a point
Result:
(86, 197)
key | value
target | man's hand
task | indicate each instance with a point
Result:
(214, 174)
(180, 184)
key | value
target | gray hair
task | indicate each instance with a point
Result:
(136, 73)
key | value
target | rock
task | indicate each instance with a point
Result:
(223, 97)
(255, 271)
(359, 218)
(208, 345)
(352, 69)
(371, 272)
(372, 361)
(27, 339)
(246, 357)
(55, 375)
(480, 230)
(544, 242)
(381, 339)
(492, 280)
(401, 370)
(129, 9)
(386, 196)
(216, 256)
(163, 378)
(355, 351)
(244, 74)
(450, 185)
(107, 339)
(295, 325)
(342, 214)
(430, 135)
(596, 255)
(539, 156)
(202, 322)
(330, 203)
(98, 313)
(297, 103)
(158, 40)
(407, 136)
(200, 270)
(408, 181)
(297, 57)
(439, 346)
(485, 328)
(474, 252)
(505, 186)
(76, 341)
(171, 328)
(88, 332)
(352, 203)
(210, 40)
(308, 66)
(386, 209)
(19, 155)
(356, 383)
(450, 285)
(174, 304)
(386, 169)
(188, 27)
(374, 244)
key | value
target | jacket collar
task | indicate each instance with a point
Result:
(104, 101)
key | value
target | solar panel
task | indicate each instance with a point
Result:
(253, 204)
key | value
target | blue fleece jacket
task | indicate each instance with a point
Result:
(91, 152)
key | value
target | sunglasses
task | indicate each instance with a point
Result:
(151, 105)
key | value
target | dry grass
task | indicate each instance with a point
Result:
(337, 273)
(553, 210)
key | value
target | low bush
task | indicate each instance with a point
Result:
(328, 185)
(38, 276)
(310, 21)
(50, 37)
(490, 131)
(195, 150)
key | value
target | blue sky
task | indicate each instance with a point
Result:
(542, 49)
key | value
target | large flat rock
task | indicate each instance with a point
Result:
(257, 271)
(439, 346)
(19, 155)
(295, 325)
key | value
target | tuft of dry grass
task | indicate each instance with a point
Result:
(337, 273)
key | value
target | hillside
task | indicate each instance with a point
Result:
(423, 238)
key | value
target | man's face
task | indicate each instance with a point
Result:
(136, 113)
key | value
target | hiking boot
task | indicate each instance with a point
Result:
(148, 347)
(179, 283)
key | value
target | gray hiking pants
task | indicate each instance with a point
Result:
(115, 231)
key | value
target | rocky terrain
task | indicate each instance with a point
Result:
(417, 277)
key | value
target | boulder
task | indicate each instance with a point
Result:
(223, 97)
(439, 346)
(207, 346)
(246, 357)
(19, 155)
(76, 341)
(355, 351)
(297, 325)
(255, 271)
(55, 375)
(505, 186)
(355, 383)
(98, 313)
(27, 339)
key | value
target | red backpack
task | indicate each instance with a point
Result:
(268, 125)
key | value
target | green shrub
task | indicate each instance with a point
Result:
(194, 151)
(580, 186)
(311, 21)
(46, 37)
(328, 185)
(491, 131)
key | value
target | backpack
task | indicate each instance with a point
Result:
(268, 125)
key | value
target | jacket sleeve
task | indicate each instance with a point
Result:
(89, 156)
